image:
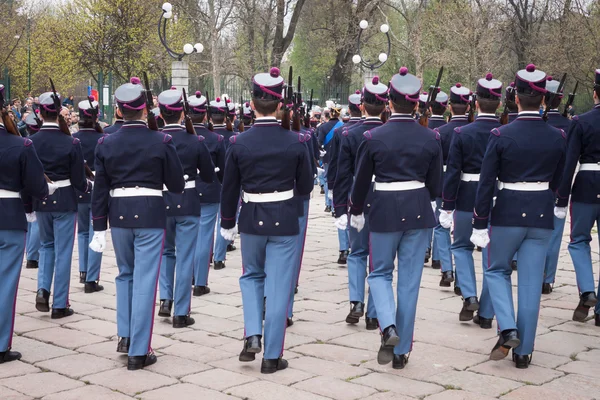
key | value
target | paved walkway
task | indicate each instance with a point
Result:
(76, 359)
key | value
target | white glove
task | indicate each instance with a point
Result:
(91, 183)
(560, 212)
(186, 177)
(217, 169)
(31, 217)
(52, 187)
(98, 243)
(320, 172)
(480, 237)
(434, 206)
(357, 222)
(493, 202)
(322, 153)
(446, 218)
(228, 234)
(330, 195)
(341, 222)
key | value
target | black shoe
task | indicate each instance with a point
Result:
(32, 264)
(296, 290)
(470, 305)
(457, 290)
(251, 348)
(290, 322)
(322, 190)
(58, 313)
(343, 258)
(513, 265)
(436, 264)
(546, 288)
(138, 362)
(82, 277)
(389, 339)
(91, 287)
(181, 321)
(201, 290)
(427, 256)
(272, 366)
(484, 323)
(164, 310)
(479, 249)
(327, 209)
(447, 278)
(231, 247)
(219, 265)
(522, 361)
(372, 323)
(357, 310)
(586, 300)
(508, 339)
(264, 308)
(597, 319)
(42, 300)
(399, 361)
(123, 346)
(8, 356)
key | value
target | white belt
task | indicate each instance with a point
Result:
(9, 194)
(445, 168)
(267, 197)
(524, 186)
(190, 185)
(135, 192)
(63, 183)
(373, 178)
(469, 177)
(589, 167)
(398, 186)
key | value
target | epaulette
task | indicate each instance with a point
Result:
(563, 133)
(219, 137)
(27, 142)
(201, 138)
(575, 118)
(345, 132)
(232, 139)
(457, 129)
(167, 138)
(496, 132)
(76, 141)
(308, 136)
(438, 137)
(101, 140)
(301, 137)
(368, 135)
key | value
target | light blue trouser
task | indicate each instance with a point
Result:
(554, 250)
(89, 261)
(204, 244)
(583, 217)
(303, 224)
(220, 242)
(12, 245)
(57, 236)
(442, 242)
(139, 254)
(264, 256)
(33, 241)
(429, 238)
(409, 247)
(326, 186)
(462, 250)
(358, 265)
(344, 239)
(178, 255)
(532, 244)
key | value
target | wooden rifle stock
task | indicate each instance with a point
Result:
(241, 127)
(189, 125)
(152, 124)
(228, 124)
(570, 101)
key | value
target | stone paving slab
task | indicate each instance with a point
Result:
(88, 392)
(38, 385)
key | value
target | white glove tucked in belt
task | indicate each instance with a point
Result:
(341, 222)
(31, 217)
(322, 153)
(560, 212)
(446, 218)
(98, 243)
(480, 237)
(357, 222)
(228, 234)
(52, 187)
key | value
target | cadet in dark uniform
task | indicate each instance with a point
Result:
(466, 153)
(132, 165)
(183, 213)
(117, 124)
(248, 115)
(89, 261)
(406, 160)
(527, 157)
(63, 161)
(32, 245)
(583, 147)
(267, 162)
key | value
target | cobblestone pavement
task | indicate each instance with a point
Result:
(76, 359)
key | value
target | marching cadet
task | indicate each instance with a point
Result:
(89, 261)
(465, 155)
(183, 212)
(132, 165)
(406, 160)
(247, 117)
(459, 106)
(32, 242)
(117, 124)
(267, 162)
(555, 118)
(208, 193)
(583, 147)
(527, 157)
(63, 161)
(374, 99)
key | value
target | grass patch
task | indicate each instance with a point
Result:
(452, 387)
(573, 357)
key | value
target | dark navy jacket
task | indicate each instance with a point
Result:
(556, 119)
(20, 171)
(466, 155)
(210, 193)
(446, 132)
(526, 150)
(435, 121)
(194, 156)
(89, 140)
(134, 156)
(400, 150)
(114, 127)
(322, 132)
(512, 117)
(62, 158)
(265, 159)
(335, 149)
(583, 145)
(352, 137)
(221, 130)
(308, 143)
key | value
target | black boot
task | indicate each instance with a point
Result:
(8, 356)
(58, 313)
(343, 258)
(219, 265)
(400, 361)
(138, 362)
(327, 209)
(181, 321)
(436, 264)
(251, 348)
(123, 345)
(521, 361)
(586, 300)
(296, 290)
(457, 290)
(290, 322)
(513, 265)
(164, 310)
(508, 339)
(484, 323)
(447, 278)
(201, 290)
(372, 323)
(272, 366)
(427, 256)
(470, 305)
(357, 310)
(32, 264)
(91, 287)
(479, 249)
(231, 247)
(546, 288)
(322, 190)
(597, 319)
(42, 300)
(82, 277)
(389, 339)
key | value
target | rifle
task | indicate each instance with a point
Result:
(62, 123)
(152, 124)
(570, 100)
(189, 125)
(208, 113)
(472, 107)
(228, 124)
(509, 96)
(285, 120)
(433, 91)
(308, 108)
(241, 127)
(94, 116)
(553, 96)
(6, 120)
(297, 124)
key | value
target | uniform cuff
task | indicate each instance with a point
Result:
(448, 205)
(340, 210)
(100, 224)
(227, 223)
(562, 202)
(480, 222)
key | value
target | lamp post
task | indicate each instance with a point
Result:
(383, 57)
(179, 68)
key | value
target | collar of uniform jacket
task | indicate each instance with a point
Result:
(172, 127)
(355, 118)
(137, 122)
(49, 125)
(401, 117)
(265, 121)
(529, 115)
(459, 118)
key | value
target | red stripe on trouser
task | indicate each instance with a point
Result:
(72, 246)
